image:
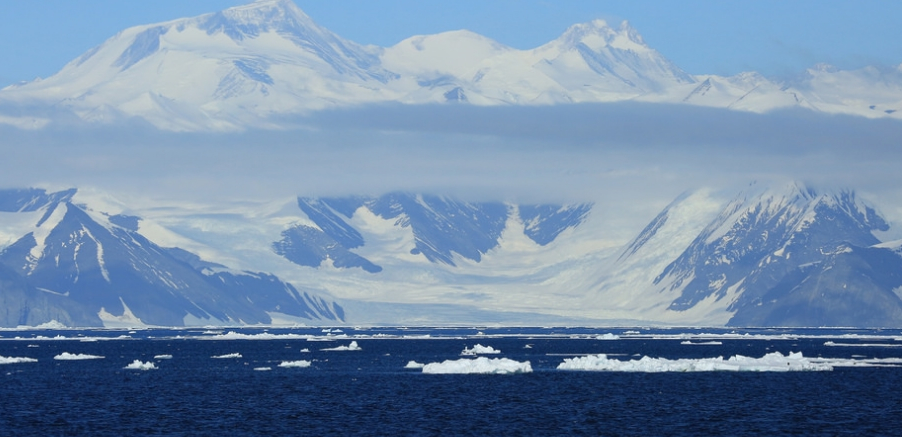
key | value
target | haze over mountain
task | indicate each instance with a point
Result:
(255, 65)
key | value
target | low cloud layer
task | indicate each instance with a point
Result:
(631, 156)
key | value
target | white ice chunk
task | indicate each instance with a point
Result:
(298, 363)
(66, 356)
(232, 355)
(480, 350)
(831, 343)
(16, 360)
(162, 357)
(608, 336)
(478, 365)
(53, 324)
(262, 369)
(702, 343)
(140, 365)
(772, 362)
(232, 335)
(351, 347)
(414, 365)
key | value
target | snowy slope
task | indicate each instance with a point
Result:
(249, 66)
(771, 255)
(98, 269)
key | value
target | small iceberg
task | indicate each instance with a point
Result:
(162, 357)
(226, 356)
(139, 365)
(414, 365)
(351, 347)
(702, 343)
(298, 363)
(66, 356)
(479, 365)
(479, 350)
(262, 369)
(16, 360)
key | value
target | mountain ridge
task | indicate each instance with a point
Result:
(781, 255)
(249, 65)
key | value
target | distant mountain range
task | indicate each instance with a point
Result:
(257, 65)
(771, 256)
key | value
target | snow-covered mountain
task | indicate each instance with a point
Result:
(788, 255)
(69, 263)
(252, 65)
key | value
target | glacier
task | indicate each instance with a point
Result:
(772, 255)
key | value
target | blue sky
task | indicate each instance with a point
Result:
(775, 37)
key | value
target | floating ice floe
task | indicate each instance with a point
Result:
(702, 343)
(480, 350)
(162, 357)
(478, 365)
(305, 350)
(831, 343)
(608, 336)
(351, 347)
(865, 362)
(298, 363)
(232, 355)
(140, 365)
(414, 365)
(232, 335)
(262, 369)
(772, 362)
(16, 360)
(66, 356)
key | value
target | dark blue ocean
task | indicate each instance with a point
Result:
(370, 392)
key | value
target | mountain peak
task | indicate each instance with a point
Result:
(597, 34)
(261, 16)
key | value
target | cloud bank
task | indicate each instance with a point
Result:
(632, 156)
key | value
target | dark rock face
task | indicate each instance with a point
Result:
(442, 227)
(853, 286)
(770, 253)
